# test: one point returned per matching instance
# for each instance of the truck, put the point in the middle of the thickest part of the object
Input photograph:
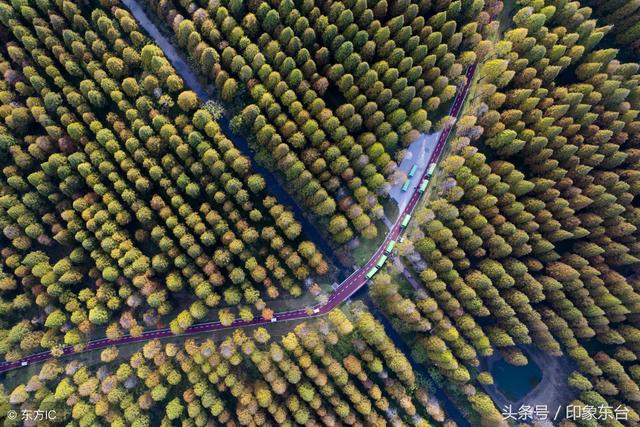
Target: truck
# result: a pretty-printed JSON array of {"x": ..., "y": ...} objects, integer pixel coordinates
[
  {"x": 413, "y": 170},
  {"x": 405, "y": 186},
  {"x": 432, "y": 167}
]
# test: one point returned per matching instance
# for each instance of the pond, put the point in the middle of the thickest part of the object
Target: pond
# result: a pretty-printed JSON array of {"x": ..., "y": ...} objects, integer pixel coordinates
[{"x": 514, "y": 382}]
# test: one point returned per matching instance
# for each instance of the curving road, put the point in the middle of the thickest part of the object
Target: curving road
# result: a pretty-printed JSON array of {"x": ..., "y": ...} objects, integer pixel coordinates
[{"x": 347, "y": 288}]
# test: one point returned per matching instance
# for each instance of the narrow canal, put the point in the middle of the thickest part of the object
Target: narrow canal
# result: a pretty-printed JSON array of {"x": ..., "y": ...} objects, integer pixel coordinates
[
  {"x": 192, "y": 82},
  {"x": 451, "y": 410}
]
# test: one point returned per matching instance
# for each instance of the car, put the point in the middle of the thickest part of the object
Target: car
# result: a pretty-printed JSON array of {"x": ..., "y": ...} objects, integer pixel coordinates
[
  {"x": 316, "y": 310},
  {"x": 273, "y": 320},
  {"x": 24, "y": 363}
]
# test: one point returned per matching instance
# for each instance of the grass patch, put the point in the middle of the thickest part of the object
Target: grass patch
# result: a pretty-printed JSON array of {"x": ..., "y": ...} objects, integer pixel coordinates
[{"x": 363, "y": 253}]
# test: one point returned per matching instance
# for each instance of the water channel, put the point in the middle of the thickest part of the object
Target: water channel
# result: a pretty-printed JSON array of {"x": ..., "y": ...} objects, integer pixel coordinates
[
  {"x": 192, "y": 82},
  {"x": 451, "y": 410}
]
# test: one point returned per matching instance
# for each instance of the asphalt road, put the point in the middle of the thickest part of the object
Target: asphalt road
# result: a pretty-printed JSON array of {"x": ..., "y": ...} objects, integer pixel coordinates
[{"x": 347, "y": 288}]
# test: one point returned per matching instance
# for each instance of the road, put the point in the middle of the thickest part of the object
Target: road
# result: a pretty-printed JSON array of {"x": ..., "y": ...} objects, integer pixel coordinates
[{"x": 343, "y": 292}]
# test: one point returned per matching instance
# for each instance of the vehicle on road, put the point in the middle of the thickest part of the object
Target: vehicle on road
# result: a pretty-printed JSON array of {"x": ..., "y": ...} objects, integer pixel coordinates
[
  {"x": 381, "y": 261},
  {"x": 413, "y": 170},
  {"x": 390, "y": 246},
  {"x": 356, "y": 279},
  {"x": 432, "y": 167},
  {"x": 405, "y": 186},
  {"x": 423, "y": 185},
  {"x": 316, "y": 310}
]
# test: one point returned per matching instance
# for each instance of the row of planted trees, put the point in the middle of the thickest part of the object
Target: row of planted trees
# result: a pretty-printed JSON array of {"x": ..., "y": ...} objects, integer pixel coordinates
[
  {"x": 532, "y": 238},
  {"x": 114, "y": 174},
  {"x": 334, "y": 371},
  {"x": 624, "y": 18},
  {"x": 291, "y": 63}
]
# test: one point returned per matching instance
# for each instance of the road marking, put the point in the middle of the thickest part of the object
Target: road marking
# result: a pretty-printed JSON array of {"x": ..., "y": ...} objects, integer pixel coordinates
[{"x": 357, "y": 275}]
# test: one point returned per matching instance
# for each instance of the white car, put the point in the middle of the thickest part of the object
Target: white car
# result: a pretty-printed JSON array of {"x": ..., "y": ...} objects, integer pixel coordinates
[
  {"x": 273, "y": 320},
  {"x": 24, "y": 363},
  {"x": 316, "y": 310}
]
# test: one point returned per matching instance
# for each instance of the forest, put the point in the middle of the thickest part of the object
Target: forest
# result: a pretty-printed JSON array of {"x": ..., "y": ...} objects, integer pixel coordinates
[
  {"x": 532, "y": 237},
  {"x": 329, "y": 372},
  {"x": 230, "y": 184}
]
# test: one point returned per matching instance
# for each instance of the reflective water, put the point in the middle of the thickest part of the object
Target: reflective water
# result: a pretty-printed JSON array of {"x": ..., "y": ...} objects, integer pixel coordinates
[{"x": 514, "y": 382}]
